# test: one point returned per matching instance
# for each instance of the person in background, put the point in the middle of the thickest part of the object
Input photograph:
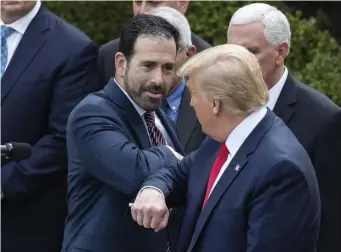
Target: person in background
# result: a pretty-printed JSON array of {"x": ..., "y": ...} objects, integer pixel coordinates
[
  {"x": 47, "y": 67},
  {"x": 117, "y": 137},
  {"x": 251, "y": 185},
  {"x": 177, "y": 104},
  {"x": 107, "y": 51},
  {"x": 313, "y": 118}
]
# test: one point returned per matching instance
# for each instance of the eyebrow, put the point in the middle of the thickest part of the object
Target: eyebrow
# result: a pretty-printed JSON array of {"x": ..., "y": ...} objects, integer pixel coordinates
[{"x": 145, "y": 62}]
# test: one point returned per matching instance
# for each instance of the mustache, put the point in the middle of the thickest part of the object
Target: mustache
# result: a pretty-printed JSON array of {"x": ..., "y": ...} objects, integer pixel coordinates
[{"x": 154, "y": 89}]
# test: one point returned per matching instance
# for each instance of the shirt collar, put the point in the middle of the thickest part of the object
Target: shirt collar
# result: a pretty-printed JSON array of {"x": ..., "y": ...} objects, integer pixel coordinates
[
  {"x": 137, "y": 107},
  {"x": 275, "y": 91},
  {"x": 173, "y": 97},
  {"x": 237, "y": 137},
  {"x": 21, "y": 24}
]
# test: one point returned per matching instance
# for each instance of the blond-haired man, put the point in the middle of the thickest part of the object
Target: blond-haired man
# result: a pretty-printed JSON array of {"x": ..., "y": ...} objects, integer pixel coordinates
[{"x": 250, "y": 186}]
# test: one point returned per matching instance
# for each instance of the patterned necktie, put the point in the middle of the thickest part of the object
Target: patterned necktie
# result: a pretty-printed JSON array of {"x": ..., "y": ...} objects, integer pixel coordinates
[
  {"x": 5, "y": 33},
  {"x": 154, "y": 133},
  {"x": 218, "y": 164},
  {"x": 157, "y": 139}
]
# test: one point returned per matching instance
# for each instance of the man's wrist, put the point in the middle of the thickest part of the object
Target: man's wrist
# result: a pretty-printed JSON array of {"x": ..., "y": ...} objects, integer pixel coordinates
[{"x": 152, "y": 187}]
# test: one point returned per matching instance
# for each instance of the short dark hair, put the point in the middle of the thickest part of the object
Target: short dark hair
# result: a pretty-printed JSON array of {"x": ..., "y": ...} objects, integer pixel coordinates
[{"x": 145, "y": 25}]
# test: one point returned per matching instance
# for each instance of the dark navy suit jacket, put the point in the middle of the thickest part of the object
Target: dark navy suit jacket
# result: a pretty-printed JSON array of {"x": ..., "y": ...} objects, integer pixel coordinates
[
  {"x": 109, "y": 156},
  {"x": 52, "y": 69},
  {"x": 271, "y": 203}
]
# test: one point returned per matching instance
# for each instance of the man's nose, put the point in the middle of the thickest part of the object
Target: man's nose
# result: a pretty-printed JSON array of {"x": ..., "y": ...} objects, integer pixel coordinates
[{"x": 157, "y": 76}]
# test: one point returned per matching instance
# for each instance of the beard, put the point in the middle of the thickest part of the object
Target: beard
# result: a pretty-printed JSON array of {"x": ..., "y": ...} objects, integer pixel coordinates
[{"x": 138, "y": 93}]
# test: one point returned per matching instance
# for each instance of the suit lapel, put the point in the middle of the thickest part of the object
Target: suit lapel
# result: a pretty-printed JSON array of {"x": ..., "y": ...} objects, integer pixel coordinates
[
  {"x": 187, "y": 119},
  {"x": 203, "y": 174},
  {"x": 284, "y": 107},
  {"x": 31, "y": 43},
  {"x": 237, "y": 164},
  {"x": 230, "y": 174},
  {"x": 170, "y": 130},
  {"x": 134, "y": 120}
]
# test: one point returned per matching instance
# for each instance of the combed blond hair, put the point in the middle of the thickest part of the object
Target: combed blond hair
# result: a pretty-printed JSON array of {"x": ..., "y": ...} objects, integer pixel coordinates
[{"x": 231, "y": 74}]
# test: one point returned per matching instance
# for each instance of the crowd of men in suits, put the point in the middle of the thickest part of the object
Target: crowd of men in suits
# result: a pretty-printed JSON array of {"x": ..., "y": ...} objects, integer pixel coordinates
[{"x": 215, "y": 148}]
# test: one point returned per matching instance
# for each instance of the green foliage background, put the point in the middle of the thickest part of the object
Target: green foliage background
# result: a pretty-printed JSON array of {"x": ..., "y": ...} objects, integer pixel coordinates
[{"x": 315, "y": 57}]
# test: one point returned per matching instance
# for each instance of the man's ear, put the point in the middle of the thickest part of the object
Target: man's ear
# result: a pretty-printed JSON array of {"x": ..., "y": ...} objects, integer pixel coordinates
[
  {"x": 282, "y": 51},
  {"x": 216, "y": 108},
  {"x": 192, "y": 50},
  {"x": 120, "y": 64}
]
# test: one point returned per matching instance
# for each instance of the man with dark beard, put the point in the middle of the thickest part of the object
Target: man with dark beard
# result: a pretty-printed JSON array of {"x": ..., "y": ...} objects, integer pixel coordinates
[{"x": 117, "y": 137}]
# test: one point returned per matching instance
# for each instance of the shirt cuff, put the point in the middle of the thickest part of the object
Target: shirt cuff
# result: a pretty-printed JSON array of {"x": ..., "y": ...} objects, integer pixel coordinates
[
  {"x": 176, "y": 154},
  {"x": 153, "y": 187}
]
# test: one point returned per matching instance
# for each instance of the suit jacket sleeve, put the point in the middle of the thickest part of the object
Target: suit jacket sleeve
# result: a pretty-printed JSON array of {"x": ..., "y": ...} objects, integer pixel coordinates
[
  {"x": 279, "y": 203},
  {"x": 327, "y": 163},
  {"x": 49, "y": 157},
  {"x": 172, "y": 181},
  {"x": 109, "y": 154}
]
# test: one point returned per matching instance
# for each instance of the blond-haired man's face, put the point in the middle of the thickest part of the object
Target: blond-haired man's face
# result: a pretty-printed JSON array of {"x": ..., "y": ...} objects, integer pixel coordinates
[{"x": 203, "y": 109}]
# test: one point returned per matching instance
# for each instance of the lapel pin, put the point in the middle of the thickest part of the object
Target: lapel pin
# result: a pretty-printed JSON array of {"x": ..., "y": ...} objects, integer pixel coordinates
[{"x": 237, "y": 167}]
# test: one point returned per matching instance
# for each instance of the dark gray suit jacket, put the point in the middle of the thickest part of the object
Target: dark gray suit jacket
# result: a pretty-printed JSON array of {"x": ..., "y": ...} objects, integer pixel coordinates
[
  {"x": 316, "y": 122},
  {"x": 188, "y": 127}
]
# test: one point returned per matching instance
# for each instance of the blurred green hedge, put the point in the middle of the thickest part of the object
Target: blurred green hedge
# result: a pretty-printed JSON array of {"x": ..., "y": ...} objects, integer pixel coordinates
[{"x": 315, "y": 57}]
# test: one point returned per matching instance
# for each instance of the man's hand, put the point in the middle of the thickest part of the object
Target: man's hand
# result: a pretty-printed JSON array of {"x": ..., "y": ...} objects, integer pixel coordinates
[{"x": 150, "y": 209}]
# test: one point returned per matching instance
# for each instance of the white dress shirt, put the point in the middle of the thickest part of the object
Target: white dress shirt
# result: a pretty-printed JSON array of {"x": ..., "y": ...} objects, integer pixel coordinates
[
  {"x": 20, "y": 26},
  {"x": 157, "y": 119},
  {"x": 275, "y": 91},
  {"x": 237, "y": 137}
]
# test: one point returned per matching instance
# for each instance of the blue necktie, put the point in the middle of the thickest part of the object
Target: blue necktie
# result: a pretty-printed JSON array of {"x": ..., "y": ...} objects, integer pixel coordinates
[{"x": 5, "y": 33}]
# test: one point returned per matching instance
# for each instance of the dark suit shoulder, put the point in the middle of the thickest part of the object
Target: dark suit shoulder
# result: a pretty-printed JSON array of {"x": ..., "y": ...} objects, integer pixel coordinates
[
  {"x": 312, "y": 100},
  {"x": 199, "y": 43},
  {"x": 96, "y": 100},
  {"x": 109, "y": 48},
  {"x": 66, "y": 32},
  {"x": 283, "y": 145}
]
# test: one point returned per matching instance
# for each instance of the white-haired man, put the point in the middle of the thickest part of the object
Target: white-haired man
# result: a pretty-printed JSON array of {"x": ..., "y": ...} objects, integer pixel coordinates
[
  {"x": 177, "y": 104},
  {"x": 312, "y": 117},
  {"x": 251, "y": 185}
]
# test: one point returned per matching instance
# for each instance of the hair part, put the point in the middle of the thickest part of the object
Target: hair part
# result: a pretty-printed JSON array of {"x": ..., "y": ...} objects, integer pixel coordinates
[
  {"x": 276, "y": 25},
  {"x": 176, "y": 19},
  {"x": 231, "y": 74},
  {"x": 144, "y": 25}
]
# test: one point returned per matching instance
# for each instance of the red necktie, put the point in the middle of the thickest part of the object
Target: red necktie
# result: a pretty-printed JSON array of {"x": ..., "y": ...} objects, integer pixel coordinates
[{"x": 218, "y": 164}]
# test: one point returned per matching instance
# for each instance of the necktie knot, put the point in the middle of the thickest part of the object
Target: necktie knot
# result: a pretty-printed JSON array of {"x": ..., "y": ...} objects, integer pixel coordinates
[
  {"x": 150, "y": 117},
  {"x": 224, "y": 152},
  {"x": 155, "y": 134},
  {"x": 6, "y": 31}
]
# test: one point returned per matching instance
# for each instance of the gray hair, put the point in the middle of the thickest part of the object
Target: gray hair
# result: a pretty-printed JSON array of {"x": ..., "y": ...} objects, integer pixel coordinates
[
  {"x": 276, "y": 25},
  {"x": 176, "y": 19}
]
